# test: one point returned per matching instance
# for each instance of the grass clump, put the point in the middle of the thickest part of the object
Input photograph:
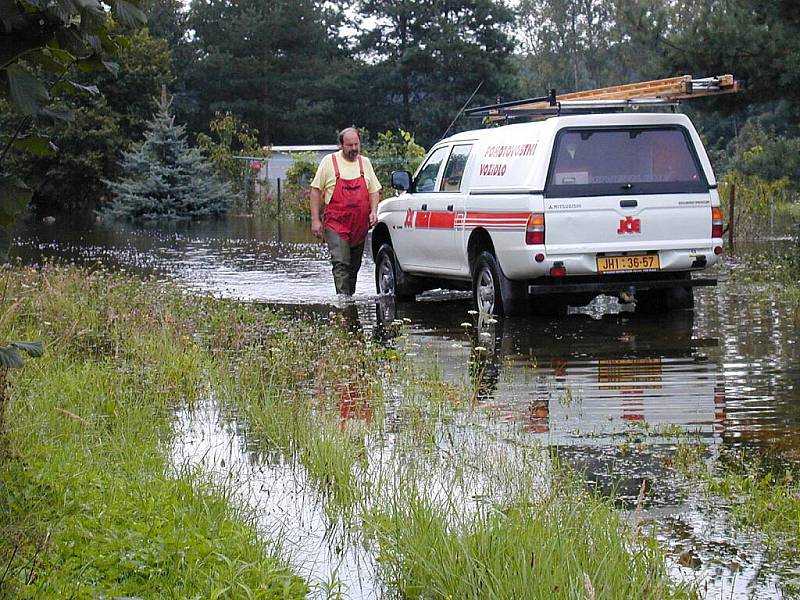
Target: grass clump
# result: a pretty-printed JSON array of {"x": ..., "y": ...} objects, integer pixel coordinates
[
  {"x": 311, "y": 398},
  {"x": 90, "y": 504},
  {"x": 566, "y": 543},
  {"x": 765, "y": 500}
]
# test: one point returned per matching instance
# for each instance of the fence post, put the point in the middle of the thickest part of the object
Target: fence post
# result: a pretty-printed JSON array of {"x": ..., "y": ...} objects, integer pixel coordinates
[
  {"x": 279, "y": 196},
  {"x": 245, "y": 184},
  {"x": 731, "y": 218}
]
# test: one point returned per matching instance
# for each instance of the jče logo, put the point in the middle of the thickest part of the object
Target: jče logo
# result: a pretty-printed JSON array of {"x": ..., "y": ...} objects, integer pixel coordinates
[
  {"x": 409, "y": 222},
  {"x": 630, "y": 225}
]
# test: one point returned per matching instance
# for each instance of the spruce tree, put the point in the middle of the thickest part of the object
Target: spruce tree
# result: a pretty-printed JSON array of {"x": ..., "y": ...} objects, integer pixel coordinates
[{"x": 166, "y": 179}]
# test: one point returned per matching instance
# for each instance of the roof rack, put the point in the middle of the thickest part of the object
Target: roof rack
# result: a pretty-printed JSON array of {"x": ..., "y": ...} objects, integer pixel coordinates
[{"x": 658, "y": 92}]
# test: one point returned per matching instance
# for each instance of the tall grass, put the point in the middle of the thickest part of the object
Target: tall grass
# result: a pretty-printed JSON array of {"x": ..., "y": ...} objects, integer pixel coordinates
[
  {"x": 569, "y": 544},
  {"x": 90, "y": 506}
]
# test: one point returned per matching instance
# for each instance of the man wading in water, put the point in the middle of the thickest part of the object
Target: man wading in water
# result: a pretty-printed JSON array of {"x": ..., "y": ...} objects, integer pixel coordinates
[{"x": 347, "y": 184}]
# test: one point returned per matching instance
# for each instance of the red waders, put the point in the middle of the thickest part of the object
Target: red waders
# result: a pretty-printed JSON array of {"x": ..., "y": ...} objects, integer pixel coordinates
[{"x": 346, "y": 224}]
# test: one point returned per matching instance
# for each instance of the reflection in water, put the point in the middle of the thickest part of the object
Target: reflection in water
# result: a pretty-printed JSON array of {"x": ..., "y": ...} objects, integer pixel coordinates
[
  {"x": 279, "y": 493},
  {"x": 613, "y": 391},
  {"x": 589, "y": 386}
]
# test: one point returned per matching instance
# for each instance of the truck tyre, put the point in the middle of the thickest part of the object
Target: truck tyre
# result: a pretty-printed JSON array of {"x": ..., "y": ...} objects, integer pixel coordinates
[
  {"x": 486, "y": 293},
  {"x": 493, "y": 292},
  {"x": 390, "y": 280}
]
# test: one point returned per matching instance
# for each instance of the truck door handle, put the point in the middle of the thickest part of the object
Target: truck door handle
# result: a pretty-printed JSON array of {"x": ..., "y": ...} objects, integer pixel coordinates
[
  {"x": 424, "y": 207},
  {"x": 449, "y": 207},
  {"x": 628, "y": 203}
]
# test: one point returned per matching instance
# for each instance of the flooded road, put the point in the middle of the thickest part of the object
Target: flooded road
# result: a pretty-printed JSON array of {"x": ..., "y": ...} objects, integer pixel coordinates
[
  {"x": 263, "y": 261},
  {"x": 615, "y": 391}
]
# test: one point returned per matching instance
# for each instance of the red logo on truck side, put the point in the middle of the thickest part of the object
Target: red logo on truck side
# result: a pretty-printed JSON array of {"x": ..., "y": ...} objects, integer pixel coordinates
[{"x": 629, "y": 225}]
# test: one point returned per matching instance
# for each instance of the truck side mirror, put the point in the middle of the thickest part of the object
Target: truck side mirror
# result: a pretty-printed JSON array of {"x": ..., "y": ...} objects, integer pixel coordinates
[{"x": 401, "y": 180}]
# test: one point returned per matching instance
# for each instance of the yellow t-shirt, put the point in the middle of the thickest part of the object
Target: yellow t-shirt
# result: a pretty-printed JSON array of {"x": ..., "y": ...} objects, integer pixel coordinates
[{"x": 325, "y": 179}]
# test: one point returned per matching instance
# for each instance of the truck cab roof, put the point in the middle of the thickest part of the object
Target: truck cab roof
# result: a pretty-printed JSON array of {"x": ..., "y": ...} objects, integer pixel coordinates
[{"x": 518, "y": 157}]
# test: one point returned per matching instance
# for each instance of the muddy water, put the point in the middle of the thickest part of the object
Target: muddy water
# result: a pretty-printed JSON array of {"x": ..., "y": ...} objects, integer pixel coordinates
[{"x": 615, "y": 391}]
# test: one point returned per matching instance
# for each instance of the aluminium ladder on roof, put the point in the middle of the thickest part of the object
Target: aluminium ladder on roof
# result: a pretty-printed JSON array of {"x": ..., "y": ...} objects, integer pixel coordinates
[{"x": 658, "y": 92}]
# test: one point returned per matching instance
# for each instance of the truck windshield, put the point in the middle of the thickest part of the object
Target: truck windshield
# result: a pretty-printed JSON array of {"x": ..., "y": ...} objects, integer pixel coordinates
[{"x": 634, "y": 160}]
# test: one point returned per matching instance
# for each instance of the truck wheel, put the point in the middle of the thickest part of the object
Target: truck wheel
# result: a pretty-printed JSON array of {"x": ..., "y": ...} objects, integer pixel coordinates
[
  {"x": 389, "y": 277},
  {"x": 486, "y": 293}
]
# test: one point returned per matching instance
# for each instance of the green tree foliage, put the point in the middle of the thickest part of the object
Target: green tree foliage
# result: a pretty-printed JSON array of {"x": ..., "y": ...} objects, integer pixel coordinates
[
  {"x": 759, "y": 40},
  {"x": 40, "y": 41},
  {"x": 102, "y": 127},
  {"x": 427, "y": 58},
  {"x": 165, "y": 179},
  {"x": 303, "y": 168},
  {"x": 276, "y": 64},
  {"x": 760, "y": 43},
  {"x": 145, "y": 68},
  {"x": 230, "y": 137},
  {"x": 575, "y": 45},
  {"x": 394, "y": 151},
  {"x": 167, "y": 20}
]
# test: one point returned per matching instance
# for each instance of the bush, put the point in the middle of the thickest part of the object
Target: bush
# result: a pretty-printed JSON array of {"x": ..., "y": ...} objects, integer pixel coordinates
[
  {"x": 232, "y": 137},
  {"x": 757, "y": 200},
  {"x": 393, "y": 151},
  {"x": 295, "y": 203}
]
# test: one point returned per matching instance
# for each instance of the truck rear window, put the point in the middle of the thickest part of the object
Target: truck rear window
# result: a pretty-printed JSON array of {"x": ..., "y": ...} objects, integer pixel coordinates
[{"x": 630, "y": 160}]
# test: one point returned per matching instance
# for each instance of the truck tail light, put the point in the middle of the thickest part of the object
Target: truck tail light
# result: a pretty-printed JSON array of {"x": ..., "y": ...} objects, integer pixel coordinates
[
  {"x": 534, "y": 232},
  {"x": 716, "y": 222}
]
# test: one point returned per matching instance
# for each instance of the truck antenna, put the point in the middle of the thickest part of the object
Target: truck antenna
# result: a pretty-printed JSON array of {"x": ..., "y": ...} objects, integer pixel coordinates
[{"x": 449, "y": 127}]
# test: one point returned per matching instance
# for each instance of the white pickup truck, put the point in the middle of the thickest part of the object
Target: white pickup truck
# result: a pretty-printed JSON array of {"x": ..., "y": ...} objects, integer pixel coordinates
[{"x": 537, "y": 216}]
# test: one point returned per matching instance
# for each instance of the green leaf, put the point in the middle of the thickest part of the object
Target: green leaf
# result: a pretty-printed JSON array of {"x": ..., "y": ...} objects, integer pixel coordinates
[
  {"x": 38, "y": 145},
  {"x": 61, "y": 55},
  {"x": 27, "y": 93},
  {"x": 14, "y": 198},
  {"x": 90, "y": 5},
  {"x": 128, "y": 14},
  {"x": 70, "y": 40},
  {"x": 112, "y": 44},
  {"x": 10, "y": 358},
  {"x": 34, "y": 349},
  {"x": 93, "y": 19},
  {"x": 44, "y": 59},
  {"x": 94, "y": 43},
  {"x": 95, "y": 63}
]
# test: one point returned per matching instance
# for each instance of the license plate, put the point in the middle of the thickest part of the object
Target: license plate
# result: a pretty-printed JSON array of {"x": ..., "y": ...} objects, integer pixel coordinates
[
  {"x": 627, "y": 370},
  {"x": 631, "y": 262}
]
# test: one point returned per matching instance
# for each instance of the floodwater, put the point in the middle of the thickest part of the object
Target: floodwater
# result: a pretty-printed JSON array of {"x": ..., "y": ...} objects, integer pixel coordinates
[{"x": 612, "y": 389}]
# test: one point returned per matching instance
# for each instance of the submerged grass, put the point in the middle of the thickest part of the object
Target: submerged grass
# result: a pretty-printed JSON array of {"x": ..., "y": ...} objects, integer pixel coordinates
[
  {"x": 494, "y": 518},
  {"x": 777, "y": 268},
  {"x": 763, "y": 499}
]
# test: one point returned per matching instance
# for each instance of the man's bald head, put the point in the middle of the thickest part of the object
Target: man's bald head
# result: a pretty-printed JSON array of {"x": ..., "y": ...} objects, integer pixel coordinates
[{"x": 350, "y": 142}]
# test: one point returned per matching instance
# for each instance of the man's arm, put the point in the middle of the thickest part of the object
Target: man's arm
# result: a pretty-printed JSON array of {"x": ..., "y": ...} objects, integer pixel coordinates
[
  {"x": 315, "y": 198},
  {"x": 374, "y": 198}
]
